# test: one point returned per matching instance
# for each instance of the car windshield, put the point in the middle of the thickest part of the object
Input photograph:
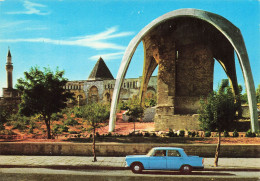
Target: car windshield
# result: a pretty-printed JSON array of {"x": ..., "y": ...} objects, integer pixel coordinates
[{"x": 150, "y": 152}]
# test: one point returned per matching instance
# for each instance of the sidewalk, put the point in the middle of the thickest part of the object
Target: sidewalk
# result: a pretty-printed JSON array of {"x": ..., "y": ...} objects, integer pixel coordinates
[{"x": 82, "y": 162}]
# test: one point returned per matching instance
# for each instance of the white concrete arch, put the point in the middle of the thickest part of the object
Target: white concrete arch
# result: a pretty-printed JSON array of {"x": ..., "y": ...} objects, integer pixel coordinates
[{"x": 231, "y": 32}]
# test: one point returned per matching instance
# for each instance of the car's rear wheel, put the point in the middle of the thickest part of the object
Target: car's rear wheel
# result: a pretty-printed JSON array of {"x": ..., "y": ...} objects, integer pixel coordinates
[
  {"x": 186, "y": 169},
  {"x": 137, "y": 167}
]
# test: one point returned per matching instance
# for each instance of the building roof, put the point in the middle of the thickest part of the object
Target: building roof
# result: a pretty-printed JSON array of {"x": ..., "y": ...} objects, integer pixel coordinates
[{"x": 100, "y": 71}]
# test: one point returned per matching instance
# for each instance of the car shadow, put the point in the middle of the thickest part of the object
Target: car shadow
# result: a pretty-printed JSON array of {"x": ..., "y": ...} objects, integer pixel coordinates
[{"x": 192, "y": 173}]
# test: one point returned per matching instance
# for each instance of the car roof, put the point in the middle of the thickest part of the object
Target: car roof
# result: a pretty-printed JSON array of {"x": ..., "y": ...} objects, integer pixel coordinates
[{"x": 167, "y": 148}]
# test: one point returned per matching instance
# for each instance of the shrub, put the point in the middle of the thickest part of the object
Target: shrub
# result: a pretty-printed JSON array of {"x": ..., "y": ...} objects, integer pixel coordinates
[
  {"x": 97, "y": 134},
  {"x": 226, "y": 134},
  {"x": 19, "y": 125},
  {"x": 182, "y": 133},
  {"x": 8, "y": 123},
  {"x": 207, "y": 134},
  {"x": 147, "y": 134},
  {"x": 192, "y": 134},
  {"x": 171, "y": 133},
  {"x": 249, "y": 133},
  {"x": 74, "y": 132},
  {"x": 258, "y": 133},
  {"x": 235, "y": 133},
  {"x": 56, "y": 116},
  {"x": 2, "y": 127},
  {"x": 139, "y": 134},
  {"x": 154, "y": 135},
  {"x": 71, "y": 122}
]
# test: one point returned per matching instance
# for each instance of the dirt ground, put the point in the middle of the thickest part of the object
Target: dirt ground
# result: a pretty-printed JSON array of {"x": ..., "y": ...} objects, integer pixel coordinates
[{"x": 121, "y": 128}]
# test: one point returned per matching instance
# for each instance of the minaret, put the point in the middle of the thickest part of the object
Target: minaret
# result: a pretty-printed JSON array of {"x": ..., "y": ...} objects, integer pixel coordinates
[{"x": 9, "y": 70}]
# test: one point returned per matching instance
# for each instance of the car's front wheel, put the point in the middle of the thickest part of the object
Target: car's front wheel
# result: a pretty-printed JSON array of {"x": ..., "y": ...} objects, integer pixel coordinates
[
  {"x": 137, "y": 167},
  {"x": 186, "y": 169}
]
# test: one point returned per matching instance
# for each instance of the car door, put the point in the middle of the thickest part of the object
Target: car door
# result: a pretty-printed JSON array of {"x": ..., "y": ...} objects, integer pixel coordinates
[
  {"x": 158, "y": 160},
  {"x": 174, "y": 160}
]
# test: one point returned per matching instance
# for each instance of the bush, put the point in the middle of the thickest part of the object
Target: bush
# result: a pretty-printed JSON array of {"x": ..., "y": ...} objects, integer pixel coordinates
[
  {"x": 2, "y": 127},
  {"x": 207, "y": 134},
  {"x": 182, "y": 133},
  {"x": 123, "y": 105},
  {"x": 226, "y": 134},
  {"x": 56, "y": 116},
  {"x": 19, "y": 125},
  {"x": 139, "y": 134},
  {"x": 235, "y": 133},
  {"x": 191, "y": 134},
  {"x": 154, "y": 135},
  {"x": 171, "y": 133},
  {"x": 147, "y": 134},
  {"x": 71, "y": 122},
  {"x": 249, "y": 133},
  {"x": 75, "y": 132},
  {"x": 77, "y": 112},
  {"x": 97, "y": 134}
]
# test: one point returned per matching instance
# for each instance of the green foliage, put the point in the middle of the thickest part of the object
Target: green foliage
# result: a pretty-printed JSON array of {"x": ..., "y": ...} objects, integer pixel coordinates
[
  {"x": 150, "y": 102},
  {"x": 71, "y": 122},
  {"x": 58, "y": 129},
  {"x": 123, "y": 105},
  {"x": 243, "y": 97},
  {"x": 226, "y": 134},
  {"x": 192, "y": 134},
  {"x": 171, "y": 133},
  {"x": 3, "y": 115},
  {"x": 135, "y": 110},
  {"x": 2, "y": 127},
  {"x": 147, "y": 134},
  {"x": 182, "y": 133},
  {"x": 249, "y": 133},
  {"x": 73, "y": 132},
  {"x": 207, "y": 133},
  {"x": 235, "y": 133},
  {"x": 19, "y": 121},
  {"x": 95, "y": 114},
  {"x": 218, "y": 112},
  {"x": 258, "y": 94},
  {"x": 43, "y": 93},
  {"x": 56, "y": 116}
]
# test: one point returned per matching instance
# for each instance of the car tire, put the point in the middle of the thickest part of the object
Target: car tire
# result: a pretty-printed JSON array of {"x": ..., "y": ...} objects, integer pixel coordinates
[
  {"x": 137, "y": 167},
  {"x": 186, "y": 169}
]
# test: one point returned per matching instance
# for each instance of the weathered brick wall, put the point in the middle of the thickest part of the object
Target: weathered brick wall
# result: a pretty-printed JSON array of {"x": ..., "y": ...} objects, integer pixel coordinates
[
  {"x": 177, "y": 122},
  {"x": 114, "y": 149}
]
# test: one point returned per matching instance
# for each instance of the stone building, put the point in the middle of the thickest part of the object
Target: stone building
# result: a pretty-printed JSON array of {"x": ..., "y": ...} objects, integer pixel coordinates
[
  {"x": 11, "y": 97},
  {"x": 100, "y": 85}
]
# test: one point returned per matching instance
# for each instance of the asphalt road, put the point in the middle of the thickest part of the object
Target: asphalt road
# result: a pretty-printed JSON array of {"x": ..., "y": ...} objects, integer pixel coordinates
[{"x": 32, "y": 174}]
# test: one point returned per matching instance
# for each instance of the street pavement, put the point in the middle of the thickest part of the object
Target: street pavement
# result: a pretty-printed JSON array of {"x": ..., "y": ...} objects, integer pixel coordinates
[
  {"x": 14, "y": 161},
  {"x": 67, "y": 168}
]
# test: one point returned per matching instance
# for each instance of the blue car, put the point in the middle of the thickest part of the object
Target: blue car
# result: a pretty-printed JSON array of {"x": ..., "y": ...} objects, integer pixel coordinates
[{"x": 164, "y": 158}]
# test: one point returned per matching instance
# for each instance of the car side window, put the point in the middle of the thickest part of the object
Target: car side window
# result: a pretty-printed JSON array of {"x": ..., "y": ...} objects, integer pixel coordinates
[
  {"x": 160, "y": 153},
  {"x": 173, "y": 153}
]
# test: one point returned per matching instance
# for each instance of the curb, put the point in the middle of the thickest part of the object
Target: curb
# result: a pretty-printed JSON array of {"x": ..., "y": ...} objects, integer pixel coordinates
[{"x": 89, "y": 167}]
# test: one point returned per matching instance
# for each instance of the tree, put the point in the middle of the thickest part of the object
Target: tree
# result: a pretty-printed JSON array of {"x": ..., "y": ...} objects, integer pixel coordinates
[
  {"x": 218, "y": 112},
  {"x": 43, "y": 93},
  {"x": 258, "y": 94},
  {"x": 95, "y": 115},
  {"x": 135, "y": 110}
]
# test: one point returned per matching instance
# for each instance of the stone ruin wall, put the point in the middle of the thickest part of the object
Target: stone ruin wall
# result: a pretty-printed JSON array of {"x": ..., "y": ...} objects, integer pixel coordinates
[{"x": 185, "y": 73}]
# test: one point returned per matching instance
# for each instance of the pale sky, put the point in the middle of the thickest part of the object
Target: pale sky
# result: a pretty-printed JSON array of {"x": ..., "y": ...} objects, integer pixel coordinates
[{"x": 73, "y": 34}]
